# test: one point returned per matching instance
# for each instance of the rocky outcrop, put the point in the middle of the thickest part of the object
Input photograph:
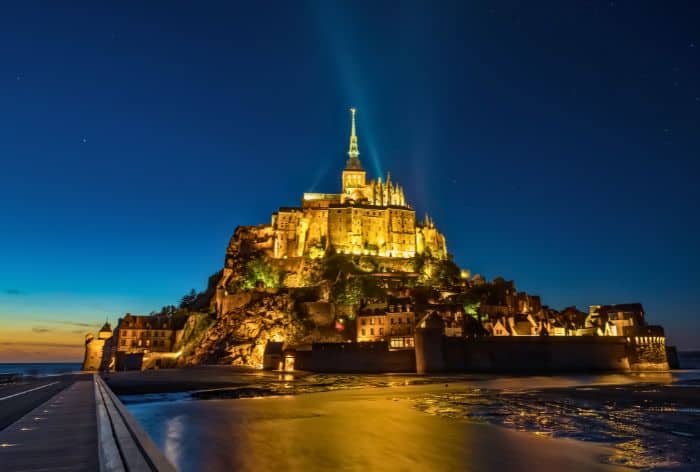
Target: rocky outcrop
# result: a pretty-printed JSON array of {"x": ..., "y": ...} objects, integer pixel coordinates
[
  {"x": 253, "y": 318},
  {"x": 238, "y": 337}
]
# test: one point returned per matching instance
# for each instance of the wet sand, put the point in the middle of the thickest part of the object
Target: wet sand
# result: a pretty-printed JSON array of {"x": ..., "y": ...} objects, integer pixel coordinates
[
  {"x": 215, "y": 377},
  {"x": 364, "y": 429},
  {"x": 407, "y": 421}
]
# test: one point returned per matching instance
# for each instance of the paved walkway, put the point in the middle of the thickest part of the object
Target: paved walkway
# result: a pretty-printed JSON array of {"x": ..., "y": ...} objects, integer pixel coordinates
[
  {"x": 58, "y": 435},
  {"x": 19, "y": 398}
]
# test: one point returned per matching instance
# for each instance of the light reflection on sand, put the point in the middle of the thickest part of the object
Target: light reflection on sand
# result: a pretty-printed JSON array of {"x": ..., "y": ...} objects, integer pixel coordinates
[
  {"x": 645, "y": 426},
  {"x": 317, "y": 422}
]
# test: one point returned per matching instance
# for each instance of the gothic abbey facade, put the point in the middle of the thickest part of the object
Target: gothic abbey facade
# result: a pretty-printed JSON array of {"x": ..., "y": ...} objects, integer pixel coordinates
[{"x": 365, "y": 218}]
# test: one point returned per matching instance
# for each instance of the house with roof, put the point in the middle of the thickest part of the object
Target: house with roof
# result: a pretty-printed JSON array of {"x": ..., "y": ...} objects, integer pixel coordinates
[{"x": 394, "y": 323}]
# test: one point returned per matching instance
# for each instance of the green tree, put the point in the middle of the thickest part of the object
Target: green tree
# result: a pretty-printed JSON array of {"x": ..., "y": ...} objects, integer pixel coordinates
[
  {"x": 259, "y": 270},
  {"x": 189, "y": 299}
]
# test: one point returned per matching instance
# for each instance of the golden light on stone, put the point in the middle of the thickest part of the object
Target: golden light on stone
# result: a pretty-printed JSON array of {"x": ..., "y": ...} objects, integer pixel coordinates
[{"x": 364, "y": 219}]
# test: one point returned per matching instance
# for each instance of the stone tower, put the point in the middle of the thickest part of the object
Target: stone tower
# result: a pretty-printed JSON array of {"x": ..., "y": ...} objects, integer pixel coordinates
[
  {"x": 354, "y": 175},
  {"x": 98, "y": 350}
]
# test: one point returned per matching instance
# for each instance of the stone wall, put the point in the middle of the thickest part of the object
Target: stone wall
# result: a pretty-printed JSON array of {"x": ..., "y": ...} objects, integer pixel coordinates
[
  {"x": 527, "y": 354},
  {"x": 355, "y": 357},
  {"x": 648, "y": 353}
]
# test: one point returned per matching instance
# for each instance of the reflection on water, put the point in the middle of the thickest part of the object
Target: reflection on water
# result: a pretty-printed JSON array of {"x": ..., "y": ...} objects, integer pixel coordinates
[
  {"x": 646, "y": 426},
  {"x": 428, "y": 423},
  {"x": 174, "y": 432}
]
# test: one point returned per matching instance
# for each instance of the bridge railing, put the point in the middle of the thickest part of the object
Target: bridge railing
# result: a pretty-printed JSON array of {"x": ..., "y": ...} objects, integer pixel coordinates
[{"x": 123, "y": 445}]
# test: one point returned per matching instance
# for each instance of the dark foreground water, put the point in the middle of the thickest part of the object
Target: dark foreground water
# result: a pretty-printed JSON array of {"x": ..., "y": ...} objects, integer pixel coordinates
[
  {"x": 363, "y": 422},
  {"x": 40, "y": 369}
]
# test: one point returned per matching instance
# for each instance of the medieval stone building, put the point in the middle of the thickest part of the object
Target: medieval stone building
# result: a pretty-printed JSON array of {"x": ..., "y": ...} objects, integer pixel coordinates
[
  {"x": 98, "y": 350},
  {"x": 365, "y": 218}
]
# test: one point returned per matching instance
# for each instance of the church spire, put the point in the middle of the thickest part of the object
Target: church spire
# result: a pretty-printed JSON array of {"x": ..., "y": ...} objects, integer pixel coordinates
[{"x": 353, "y": 151}]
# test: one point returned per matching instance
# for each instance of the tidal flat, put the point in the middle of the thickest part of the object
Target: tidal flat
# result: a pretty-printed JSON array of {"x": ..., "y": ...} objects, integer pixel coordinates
[{"x": 263, "y": 421}]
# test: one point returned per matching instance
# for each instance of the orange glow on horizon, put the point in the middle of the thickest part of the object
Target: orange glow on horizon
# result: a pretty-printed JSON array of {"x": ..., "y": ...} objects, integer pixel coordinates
[{"x": 28, "y": 342}]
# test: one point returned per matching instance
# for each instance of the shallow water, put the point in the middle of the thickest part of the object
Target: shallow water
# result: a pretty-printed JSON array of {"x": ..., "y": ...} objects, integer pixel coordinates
[
  {"x": 40, "y": 368},
  {"x": 405, "y": 422},
  {"x": 644, "y": 432}
]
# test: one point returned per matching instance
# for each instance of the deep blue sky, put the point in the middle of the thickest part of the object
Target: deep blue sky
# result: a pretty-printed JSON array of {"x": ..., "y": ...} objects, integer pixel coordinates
[{"x": 554, "y": 144}]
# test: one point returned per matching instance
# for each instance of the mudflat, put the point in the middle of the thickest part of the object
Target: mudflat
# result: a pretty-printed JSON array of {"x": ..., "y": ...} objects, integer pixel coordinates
[{"x": 404, "y": 422}]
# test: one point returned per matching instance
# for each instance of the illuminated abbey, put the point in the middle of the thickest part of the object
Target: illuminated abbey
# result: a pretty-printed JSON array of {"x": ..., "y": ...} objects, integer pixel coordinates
[{"x": 365, "y": 218}]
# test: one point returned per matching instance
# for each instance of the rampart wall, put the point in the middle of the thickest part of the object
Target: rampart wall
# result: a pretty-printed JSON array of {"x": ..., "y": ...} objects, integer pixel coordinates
[
  {"x": 355, "y": 357},
  {"x": 528, "y": 354}
]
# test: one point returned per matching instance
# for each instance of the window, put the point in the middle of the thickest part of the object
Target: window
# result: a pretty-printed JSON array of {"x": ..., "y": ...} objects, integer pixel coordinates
[
  {"x": 363, "y": 332},
  {"x": 123, "y": 343},
  {"x": 371, "y": 321},
  {"x": 393, "y": 321},
  {"x": 381, "y": 331},
  {"x": 371, "y": 331},
  {"x": 364, "y": 321}
]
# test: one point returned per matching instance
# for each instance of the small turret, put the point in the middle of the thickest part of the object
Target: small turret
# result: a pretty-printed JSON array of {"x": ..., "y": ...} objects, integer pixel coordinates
[{"x": 106, "y": 331}]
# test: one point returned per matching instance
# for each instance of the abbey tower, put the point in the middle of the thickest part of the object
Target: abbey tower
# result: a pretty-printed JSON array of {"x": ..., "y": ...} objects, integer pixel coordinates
[{"x": 365, "y": 218}]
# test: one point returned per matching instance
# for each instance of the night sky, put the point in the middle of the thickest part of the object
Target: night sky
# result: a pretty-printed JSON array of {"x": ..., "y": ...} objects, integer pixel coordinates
[{"x": 554, "y": 144}]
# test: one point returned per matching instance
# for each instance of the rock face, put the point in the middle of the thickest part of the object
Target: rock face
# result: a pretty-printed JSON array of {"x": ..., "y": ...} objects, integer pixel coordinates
[{"x": 239, "y": 336}]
